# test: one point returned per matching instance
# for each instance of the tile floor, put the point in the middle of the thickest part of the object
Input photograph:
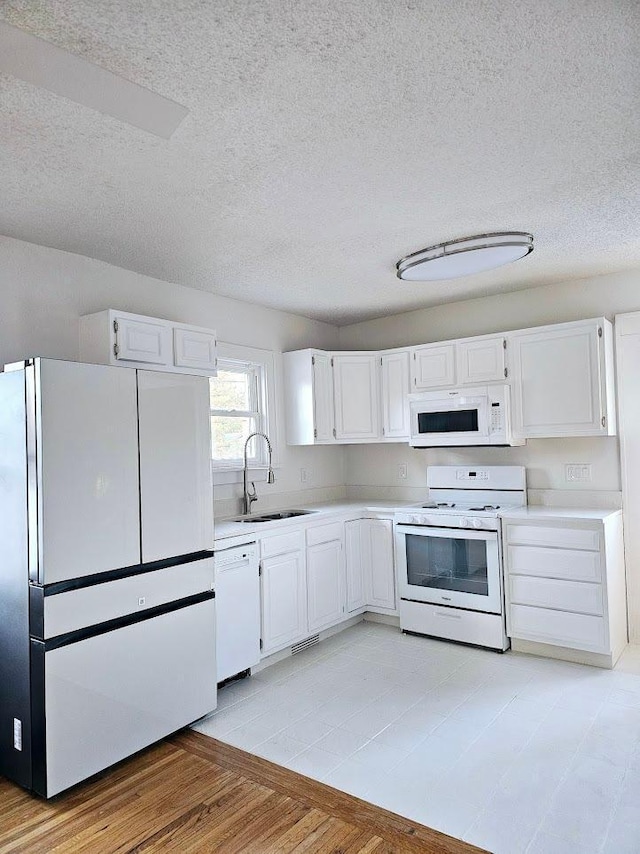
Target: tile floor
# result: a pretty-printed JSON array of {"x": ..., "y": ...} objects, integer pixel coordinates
[{"x": 513, "y": 753}]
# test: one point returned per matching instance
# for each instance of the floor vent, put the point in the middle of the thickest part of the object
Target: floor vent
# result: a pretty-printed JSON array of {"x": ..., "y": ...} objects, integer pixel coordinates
[{"x": 305, "y": 644}]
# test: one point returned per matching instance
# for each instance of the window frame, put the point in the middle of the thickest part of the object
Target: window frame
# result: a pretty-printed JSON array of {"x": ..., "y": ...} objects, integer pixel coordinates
[{"x": 262, "y": 364}]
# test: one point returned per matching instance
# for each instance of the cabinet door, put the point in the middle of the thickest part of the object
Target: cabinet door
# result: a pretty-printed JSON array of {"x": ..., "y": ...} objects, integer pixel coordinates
[
  {"x": 322, "y": 398},
  {"x": 284, "y": 601},
  {"x": 356, "y": 396},
  {"x": 325, "y": 584},
  {"x": 481, "y": 361},
  {"x": 88, "y": 470},
  {"x": 176, "y": 491},
  {"x": 378, "y": 553},
  {"x": 143, "y": 341},
  {"x": 354, "y": 565},
  {"x": 395, "y": 387},
  {"x": 194, "y": 349},
  {"x": 433, "y": 366},
  {"x": 557, "y": 376}
]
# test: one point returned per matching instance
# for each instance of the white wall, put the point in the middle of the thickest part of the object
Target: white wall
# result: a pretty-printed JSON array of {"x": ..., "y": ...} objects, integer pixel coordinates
[
  {"x": 583, "y": 298},
  {"x": 43, "y": 292}
]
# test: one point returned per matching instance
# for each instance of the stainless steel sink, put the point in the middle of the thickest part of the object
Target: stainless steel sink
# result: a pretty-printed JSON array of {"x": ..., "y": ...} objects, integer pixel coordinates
[{"x": 273, "y": 517}]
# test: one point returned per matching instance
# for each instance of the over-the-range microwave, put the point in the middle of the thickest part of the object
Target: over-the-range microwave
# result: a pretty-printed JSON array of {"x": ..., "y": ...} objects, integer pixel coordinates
[{"x": 456, "y": 417}]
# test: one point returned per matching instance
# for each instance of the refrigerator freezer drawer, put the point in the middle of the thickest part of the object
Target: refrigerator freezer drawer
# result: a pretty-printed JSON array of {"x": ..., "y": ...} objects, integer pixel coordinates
[
  {"x": 111, "y": 695},
  {"x": 89, "y": 606}
]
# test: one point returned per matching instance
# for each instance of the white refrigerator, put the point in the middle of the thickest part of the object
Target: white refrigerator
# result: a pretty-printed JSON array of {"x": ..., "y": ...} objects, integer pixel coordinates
[{"x": 107, "y": 600}]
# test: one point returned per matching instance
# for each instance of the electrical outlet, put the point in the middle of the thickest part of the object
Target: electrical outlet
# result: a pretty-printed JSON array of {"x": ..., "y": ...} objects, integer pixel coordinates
[
  {"x": 402, "y": 471},
  {"x": 304, "y": 475},
  {"x": 577, "y": 472}
]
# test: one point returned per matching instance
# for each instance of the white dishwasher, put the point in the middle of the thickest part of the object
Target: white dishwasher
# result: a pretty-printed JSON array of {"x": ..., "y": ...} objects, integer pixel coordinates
[{"x": 237, "y": 609}]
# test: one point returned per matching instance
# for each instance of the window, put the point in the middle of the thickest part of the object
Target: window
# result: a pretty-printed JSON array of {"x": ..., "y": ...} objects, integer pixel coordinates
[{"x": 240, "y": 405}]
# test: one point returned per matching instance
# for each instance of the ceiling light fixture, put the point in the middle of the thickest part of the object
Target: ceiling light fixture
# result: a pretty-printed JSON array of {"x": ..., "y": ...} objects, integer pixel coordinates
[{"x": 465, "y": 256}]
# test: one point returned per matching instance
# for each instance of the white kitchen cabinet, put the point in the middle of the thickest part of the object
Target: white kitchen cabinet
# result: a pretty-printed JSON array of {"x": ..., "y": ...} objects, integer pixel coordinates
[
  {"x": 194, "y": 349},
  {"x": 562, "y": 380},
  {"x": 175, "y": 465},
  {"x": 433, "y": 366},
  {"x": 131, "y": 340},
  {"x": 355, "y": 565},
  {"x": 356, "y": 396},
  {"x": 565, "y": 584},
  {"x": 377, "y": 550},
  {"x": 138, "y": 340},
  {"x": 394, "y": 387},
  {"x": 481, "y": 360},
  {"x": 284, "y": 590},
  {"x": 308, "y": 389},
  {"x": 325, "y": 575}
]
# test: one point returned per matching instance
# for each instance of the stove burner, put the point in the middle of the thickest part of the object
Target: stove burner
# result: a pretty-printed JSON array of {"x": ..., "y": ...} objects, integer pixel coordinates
[
  {"x": 485, "y": 507},
  {"x": 433, "y": 505}
]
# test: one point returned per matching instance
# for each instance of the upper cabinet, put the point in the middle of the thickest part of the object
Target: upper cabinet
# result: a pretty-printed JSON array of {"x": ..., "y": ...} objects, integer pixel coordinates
[
  {"x": 481, "y": 360},
  {"x": 433, "y": 366},
  {"x": 394, "y": 387},
  {"x": 469, "y": 361},
  {"x": 118, "y": 338},
  {"x": 308, "y": 389},
  {"x": 563, "y": 380},
  {"x": 355, "y": 389},
  {"x": 333, "y": 397}
]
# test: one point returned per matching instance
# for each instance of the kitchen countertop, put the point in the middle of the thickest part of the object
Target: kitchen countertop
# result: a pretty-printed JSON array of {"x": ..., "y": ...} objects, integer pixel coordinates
[
  {"x": 231, "y": 527},
  {"x": 536, "y": 511}
]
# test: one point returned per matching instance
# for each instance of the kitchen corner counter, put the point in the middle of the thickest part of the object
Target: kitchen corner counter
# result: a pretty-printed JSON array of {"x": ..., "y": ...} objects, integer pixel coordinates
[
  {"x": 234, "y": 527},
  {"x": 540, "y": 513}
]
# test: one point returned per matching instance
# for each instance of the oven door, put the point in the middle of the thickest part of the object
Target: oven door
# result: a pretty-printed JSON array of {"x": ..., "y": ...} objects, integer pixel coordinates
[{"x": 449, "y": 566}]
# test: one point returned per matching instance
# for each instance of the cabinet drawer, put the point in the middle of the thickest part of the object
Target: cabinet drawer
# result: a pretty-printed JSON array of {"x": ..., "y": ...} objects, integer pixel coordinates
[
  {"x": 557, "y": 627},
  {"x": 280, "y": 544},
  {"x": 325, "y": 533},
  {"x": 89, "y": 606},
  {"x": 579, "y": 596},
  {"x": 555, "y": 563},
  {"x": 567, "y": 538}
]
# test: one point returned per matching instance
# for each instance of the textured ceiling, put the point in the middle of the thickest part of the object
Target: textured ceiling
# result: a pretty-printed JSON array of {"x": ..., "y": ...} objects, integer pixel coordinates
[{"x": 326, "y": 139}]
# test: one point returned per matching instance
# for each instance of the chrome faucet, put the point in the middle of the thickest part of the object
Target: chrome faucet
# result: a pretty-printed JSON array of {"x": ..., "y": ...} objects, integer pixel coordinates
[{"x": 249, "y": 495}]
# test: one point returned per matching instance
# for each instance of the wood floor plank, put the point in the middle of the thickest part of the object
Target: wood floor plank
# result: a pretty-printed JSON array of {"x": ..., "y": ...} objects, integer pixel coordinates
[
  {"x": 192, "y": 794},
  {"x": 389, "y": 826}
]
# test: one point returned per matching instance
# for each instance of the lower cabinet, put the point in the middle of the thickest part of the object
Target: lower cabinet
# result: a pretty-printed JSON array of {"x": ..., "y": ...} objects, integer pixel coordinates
[
  {"x": 353, "y": 536},
  {"x": 380, "y": 574},
  {"x": 284, "y": 591},
  {"x": 315, "y": 577},
  {"x": 325, "y": 576},
  {"x": 565, "y": 581},
  {"x": 370, "y": 566}
]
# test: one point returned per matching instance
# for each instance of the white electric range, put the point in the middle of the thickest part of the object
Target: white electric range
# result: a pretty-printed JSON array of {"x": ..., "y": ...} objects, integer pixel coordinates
[{"x": 449, "y": 554}]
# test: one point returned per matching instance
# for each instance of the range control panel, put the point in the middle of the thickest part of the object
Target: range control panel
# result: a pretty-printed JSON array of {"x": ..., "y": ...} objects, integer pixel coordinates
[{"x": 472, "y": 474}]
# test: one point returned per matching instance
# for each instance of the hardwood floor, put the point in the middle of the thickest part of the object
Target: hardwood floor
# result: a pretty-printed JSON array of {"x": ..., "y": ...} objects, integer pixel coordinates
[{"x": 195, "y": 794}]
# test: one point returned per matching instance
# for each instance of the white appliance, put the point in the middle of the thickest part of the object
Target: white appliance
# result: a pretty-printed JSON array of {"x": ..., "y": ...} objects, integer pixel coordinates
[
  {"x": 238, "y": 609},
  {"x": 107, "y": 610},
  {"x": 453, "y": 417},
  {"x": 449, "y": 555}
]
